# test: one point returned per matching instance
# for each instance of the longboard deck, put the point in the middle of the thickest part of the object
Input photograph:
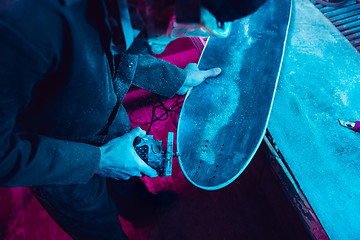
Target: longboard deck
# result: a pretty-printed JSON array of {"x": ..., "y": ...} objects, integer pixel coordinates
[{"x": 223, "y": 120}]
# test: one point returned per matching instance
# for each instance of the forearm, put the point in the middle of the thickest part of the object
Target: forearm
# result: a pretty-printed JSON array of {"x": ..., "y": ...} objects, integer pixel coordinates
[
  {"x": 32, "y": 160},
  {"x": 158, "y": 76}
]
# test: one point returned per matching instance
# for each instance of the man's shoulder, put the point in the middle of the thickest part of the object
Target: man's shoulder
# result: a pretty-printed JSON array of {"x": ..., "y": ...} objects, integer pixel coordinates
[{"x": 37, "y": 22}]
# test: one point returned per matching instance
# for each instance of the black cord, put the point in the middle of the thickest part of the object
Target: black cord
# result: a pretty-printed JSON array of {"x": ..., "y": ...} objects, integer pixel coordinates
[{"x": 173, "y": 112}]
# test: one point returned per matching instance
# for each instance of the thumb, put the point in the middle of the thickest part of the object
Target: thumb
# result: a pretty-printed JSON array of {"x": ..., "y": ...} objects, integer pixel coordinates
[
  {"x": 147, "y": 170},
  {"x": 136, "y": 132},
  {"x": 213, "y": 72}
]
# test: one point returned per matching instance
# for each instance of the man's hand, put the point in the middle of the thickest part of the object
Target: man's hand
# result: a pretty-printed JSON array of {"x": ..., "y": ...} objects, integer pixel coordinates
[
  {"x": 195, "y": 76},
  {"x": 119, "y": 159}
]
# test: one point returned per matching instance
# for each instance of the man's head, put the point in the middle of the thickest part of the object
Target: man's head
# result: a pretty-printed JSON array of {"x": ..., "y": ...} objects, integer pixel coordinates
[{"x": 165, "y": 20}]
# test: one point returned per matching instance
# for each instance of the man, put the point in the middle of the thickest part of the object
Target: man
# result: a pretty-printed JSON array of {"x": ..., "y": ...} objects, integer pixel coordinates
[{"x": 63, "y": 77}]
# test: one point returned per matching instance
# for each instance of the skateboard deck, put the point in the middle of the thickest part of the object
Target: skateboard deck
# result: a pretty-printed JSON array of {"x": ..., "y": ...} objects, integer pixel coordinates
[{"x": 223, "y": 121}]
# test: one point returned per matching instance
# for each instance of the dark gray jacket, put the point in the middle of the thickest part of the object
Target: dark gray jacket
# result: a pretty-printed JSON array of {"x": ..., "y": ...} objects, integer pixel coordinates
[{"x": 59, "y": 98}]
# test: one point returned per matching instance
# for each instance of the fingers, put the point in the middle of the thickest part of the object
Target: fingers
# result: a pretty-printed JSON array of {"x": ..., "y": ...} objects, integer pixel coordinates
[
  {"x": 136, "y": 132},
  {"x": 121, "y": 177},
  {"x": 213, "y": 72},
  {"x": 147, "y": 170}
]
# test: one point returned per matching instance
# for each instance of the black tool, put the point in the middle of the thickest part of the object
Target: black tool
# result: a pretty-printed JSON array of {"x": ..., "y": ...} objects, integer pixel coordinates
[{"x": 152, "y": 153}]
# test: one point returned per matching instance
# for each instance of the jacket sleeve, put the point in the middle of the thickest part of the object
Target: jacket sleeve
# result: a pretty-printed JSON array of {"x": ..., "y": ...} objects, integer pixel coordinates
[
  {"x": 158, "y": 76},
  {"x": 28, "y": 159}
]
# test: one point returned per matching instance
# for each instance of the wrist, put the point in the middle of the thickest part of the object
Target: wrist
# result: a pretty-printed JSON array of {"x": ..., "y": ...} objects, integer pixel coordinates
[{"x": 103, "y": 152}]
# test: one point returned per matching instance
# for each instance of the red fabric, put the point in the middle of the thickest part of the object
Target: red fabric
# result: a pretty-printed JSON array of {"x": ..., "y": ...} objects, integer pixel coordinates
[
  {"x": 23, "y": 218},
  {"x": 357, "y": 125}
]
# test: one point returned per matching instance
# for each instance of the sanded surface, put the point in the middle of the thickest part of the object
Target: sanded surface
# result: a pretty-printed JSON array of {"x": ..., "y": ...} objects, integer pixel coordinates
[
  {"x": 319, "y": 83},
  {"x": 223, "y": 120}
]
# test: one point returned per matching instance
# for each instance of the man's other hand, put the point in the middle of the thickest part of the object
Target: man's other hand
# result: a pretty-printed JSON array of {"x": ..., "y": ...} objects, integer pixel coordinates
[
  {"x": 119, "y": 159},
  {"x": 195, "y": 77}
]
